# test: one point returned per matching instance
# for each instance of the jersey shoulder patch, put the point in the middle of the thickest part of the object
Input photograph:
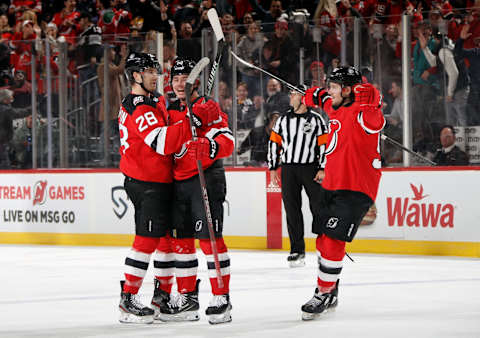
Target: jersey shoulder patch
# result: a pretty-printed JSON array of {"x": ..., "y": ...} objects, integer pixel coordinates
[{"x": 131, "y": 102}]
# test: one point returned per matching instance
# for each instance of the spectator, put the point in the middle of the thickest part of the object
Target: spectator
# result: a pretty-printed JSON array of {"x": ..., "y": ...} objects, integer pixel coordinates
[
  {"x": 114, "y": 94},
  {"x": 270, "y": 17},
  {"x": 249, "y": 48},
  {"x": 22, "y": 90},
  {"x": 426, "y": 108},
  {"x": 473, "y": 56},
  {"x": 246, "y": 110},
  {"x": 449, "y": 154},
  {"x": 66, "y": 21},
  {"x": 283, "y": 56},
  {"x": 187, "y": 46},
  {"x": 7, "y": 115},
  {"x": 6, "y": 31},
  {"x": 276, "y": 101},
  {"x": 457, "y": 82},
  {"x": 394, "y": 128},
  {"x": 317, "y": 73},
  {"x": 155, "y": 17},
  {"x": 6, "y": 131},
  {"x": 89, "y": 47},
  {"x": 257, "y": 143}
]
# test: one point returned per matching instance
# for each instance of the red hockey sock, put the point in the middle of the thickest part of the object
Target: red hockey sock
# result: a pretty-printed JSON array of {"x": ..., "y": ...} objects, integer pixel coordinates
[
  {"x": 137, "y": 262},
  {"x": 186, "y": 264},
  {"x": 164, "y": 263},
  {"x": 224, "y": 261},
  {"x": 330, "y": 252}
]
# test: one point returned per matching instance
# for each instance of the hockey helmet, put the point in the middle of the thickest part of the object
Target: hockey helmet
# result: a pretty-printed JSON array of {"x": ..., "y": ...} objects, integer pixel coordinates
[
  {"x": 138, "y": 62},
  {"x": 181, "y": 66},
  {"x": 301, "y": 87},
  {"x": 345, "y": 76}
]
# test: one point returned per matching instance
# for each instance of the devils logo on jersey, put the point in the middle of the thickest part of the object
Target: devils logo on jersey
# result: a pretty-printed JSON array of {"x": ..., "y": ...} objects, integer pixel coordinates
[{"x": 334, "y": 127}]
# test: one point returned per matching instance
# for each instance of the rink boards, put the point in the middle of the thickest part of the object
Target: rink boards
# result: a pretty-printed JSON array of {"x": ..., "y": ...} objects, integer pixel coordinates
[{"x": 432, "y": 211}]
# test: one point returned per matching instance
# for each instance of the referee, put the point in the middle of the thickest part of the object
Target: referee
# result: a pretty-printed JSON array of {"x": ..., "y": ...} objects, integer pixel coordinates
[{"x": 297, "y": 142}]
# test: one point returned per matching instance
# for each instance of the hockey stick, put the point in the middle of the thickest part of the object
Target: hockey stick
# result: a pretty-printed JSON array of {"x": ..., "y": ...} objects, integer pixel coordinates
[
  {"x": 201, "y": 175},
  {"x": 248, "y": 64},
  {"x": 222, "y": 45},
  {"x": 395, "y": 143}
]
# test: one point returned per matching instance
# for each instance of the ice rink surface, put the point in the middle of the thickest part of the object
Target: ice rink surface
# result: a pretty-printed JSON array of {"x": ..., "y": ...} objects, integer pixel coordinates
[{"x": 50, "y": 291}]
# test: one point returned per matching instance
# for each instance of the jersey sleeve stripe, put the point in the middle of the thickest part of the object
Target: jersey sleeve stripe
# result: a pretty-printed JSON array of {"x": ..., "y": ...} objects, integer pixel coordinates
[
  {"x": 368, "y": 130},
  {"x": 322, "y": 139},
  {"x": 274, "y": 137}
]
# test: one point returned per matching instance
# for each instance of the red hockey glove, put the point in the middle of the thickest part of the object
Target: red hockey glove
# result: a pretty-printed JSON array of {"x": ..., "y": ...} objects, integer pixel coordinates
[
  {"x": 202, "y": 148},
  {"x": 205, "y": 113},
  {"x": 311, "y": 99},
  {"x": 366, "y": 93}
]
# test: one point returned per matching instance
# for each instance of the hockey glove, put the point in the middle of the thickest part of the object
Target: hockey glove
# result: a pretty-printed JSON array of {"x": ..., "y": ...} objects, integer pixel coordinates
[
  {"x": 366, "y": 93},
  {"x": 202, "y": 148},
  {"x": 205, "y": 114},
  {"x": 311, "y": 97}
]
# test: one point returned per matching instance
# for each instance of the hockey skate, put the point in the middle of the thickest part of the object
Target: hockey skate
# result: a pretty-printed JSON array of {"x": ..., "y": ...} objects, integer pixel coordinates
[
  {"x": 132, "y": 311},
  {"x": 160, "y": 300},
  {"x": 184, "y": 307},
  {"x": 320, "y": 303},
  {"x": 296, "y": 260},
  {"x": 219, "y": 309}
]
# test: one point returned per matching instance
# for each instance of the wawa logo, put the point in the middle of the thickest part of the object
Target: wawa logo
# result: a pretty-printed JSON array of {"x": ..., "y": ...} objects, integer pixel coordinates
[{"x": 417, "y": 212}]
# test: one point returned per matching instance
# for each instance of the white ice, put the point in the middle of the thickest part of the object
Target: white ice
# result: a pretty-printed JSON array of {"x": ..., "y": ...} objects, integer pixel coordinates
[{"x": 50, "y": 291}]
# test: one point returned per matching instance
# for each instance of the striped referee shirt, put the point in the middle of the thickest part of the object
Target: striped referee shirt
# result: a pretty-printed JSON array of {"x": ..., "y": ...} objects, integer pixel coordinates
[{"x": 297, "y": 139}]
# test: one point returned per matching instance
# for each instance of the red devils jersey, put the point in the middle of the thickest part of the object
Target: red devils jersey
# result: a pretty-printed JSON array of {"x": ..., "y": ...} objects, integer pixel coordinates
[
  {"x": 218, "y": 132},
  {"x": 146, "y": 143},
  {"x": 353, "y": 147}
]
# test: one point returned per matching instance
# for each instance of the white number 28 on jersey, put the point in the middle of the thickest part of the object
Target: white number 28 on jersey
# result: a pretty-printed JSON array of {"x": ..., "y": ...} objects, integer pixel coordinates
[{"x": 145, "y": 120}]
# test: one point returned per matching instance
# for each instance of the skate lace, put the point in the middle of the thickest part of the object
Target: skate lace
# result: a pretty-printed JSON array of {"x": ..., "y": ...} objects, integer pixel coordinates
[
  {"x": 178, "y": 301},
  {"x": 135, "y": 300},
  {"x": 317, "y": 300},
  {"x": 218, "y": 300}
]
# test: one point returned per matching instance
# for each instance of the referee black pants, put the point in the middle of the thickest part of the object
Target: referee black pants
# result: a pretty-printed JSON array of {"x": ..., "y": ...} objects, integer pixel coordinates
[{"x": 294, "y": 178}]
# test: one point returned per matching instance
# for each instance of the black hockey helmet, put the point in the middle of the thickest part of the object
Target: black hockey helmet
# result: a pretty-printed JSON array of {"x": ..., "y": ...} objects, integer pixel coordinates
[
  {"x": 301, "y": 87},
  {"x": 181, "y": 66},
  {"x": 345, "y": 76},
  {"x": 138, "y": 62}
]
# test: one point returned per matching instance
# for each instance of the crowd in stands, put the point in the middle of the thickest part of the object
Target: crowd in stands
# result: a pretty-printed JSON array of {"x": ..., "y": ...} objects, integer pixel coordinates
[{"x": 445, "y": 46}]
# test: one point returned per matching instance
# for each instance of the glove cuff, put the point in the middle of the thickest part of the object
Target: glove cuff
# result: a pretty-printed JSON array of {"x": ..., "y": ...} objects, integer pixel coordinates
[{"x": 213, "y": 149}]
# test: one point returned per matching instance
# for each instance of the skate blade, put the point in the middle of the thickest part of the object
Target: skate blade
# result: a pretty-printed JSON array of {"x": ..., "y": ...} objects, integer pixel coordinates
[
  {"x": 297, "y": 264},
  {"x": 188, "y": 316},
  {"x": 306, "y": 316},
  {"x": 130, "y": 318},
  {"x": 225, "y": 317}
]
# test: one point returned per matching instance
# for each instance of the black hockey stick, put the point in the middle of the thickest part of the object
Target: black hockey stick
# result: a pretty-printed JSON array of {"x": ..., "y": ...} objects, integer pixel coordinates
[
  {"x": 248, "y": 64},
  {"x": 201, "y": 175},
  {"x": 397, "y": 144},
  {"x": 222, "y": 45}
]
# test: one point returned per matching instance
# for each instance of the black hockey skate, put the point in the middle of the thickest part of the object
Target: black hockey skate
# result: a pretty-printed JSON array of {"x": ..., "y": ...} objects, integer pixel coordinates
[
  {"x": 219, "y": 309},
  {"x": 184, "y": 307},
  {"x": 132, "y": 311},
  {"x": 296, "y": 260},
  {"x": 320, "y": 303},
  {"x": 160, "y": 299}
]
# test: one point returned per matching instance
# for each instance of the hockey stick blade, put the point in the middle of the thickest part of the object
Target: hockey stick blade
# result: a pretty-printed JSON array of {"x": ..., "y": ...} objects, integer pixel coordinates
[
  {"x": 248, "y": 64},
  {"x": 215, "y": 23},
  {"x": 197, "y": 70}
]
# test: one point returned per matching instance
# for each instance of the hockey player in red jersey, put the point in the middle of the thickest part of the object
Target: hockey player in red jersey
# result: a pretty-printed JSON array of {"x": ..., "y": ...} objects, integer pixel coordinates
[
  {"x": 215, "y": 141},
  {"x": 352, "y": 174},
  {"x": 146, "y": 148}
]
